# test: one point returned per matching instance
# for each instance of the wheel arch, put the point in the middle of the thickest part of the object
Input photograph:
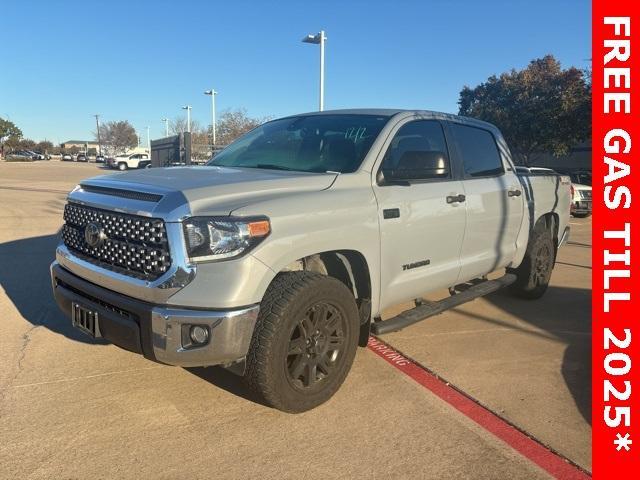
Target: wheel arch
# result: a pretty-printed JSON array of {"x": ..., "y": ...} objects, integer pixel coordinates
[{"x": 349, "y": 267}]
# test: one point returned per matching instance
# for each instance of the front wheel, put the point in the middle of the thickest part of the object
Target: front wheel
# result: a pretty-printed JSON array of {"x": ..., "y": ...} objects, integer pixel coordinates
[
  {"x": 534, "y": 273},
  {"x": 304, "y": 342},
  {"x": 122, "y": 166}
]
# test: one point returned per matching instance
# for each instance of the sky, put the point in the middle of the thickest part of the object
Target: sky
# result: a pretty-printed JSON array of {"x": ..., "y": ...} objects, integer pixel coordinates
[{"x": 64, "y": 61}]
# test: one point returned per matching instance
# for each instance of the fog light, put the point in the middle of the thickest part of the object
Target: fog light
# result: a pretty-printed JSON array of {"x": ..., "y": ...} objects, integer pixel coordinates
[{"x": 199, "y": 334}]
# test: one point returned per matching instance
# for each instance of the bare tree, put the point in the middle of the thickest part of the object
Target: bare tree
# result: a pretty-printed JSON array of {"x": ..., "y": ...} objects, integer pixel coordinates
[
  {"x": 179, "y": 125},
  {"x": 117, "y": 137},
  {"x": 45, "y": 146},
  {"x": 234, "y": 123}
]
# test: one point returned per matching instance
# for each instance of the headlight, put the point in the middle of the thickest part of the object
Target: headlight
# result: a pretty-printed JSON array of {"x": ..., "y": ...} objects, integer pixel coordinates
[{"x": 222, "y": 238}]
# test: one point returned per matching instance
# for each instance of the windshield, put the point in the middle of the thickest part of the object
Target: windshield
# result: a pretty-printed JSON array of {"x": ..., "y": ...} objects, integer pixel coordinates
[
  {"x": 314, "y": 143},
  {"x": 582, "y": 178}
]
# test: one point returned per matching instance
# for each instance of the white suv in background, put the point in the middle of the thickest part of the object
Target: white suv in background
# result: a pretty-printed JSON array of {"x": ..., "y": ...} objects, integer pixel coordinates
[{"x": 132, "y": 160}]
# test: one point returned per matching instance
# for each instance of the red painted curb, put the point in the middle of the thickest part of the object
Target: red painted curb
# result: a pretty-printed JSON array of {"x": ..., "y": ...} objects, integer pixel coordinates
[{"x": 546, "y": 459}]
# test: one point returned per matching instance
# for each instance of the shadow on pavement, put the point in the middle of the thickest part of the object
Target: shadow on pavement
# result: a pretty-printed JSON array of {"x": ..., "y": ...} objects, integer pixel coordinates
[
  {"x": 227, "y": 381},
  {"x": 564, "y": 314},
  {"x": 24, "y": 276}
]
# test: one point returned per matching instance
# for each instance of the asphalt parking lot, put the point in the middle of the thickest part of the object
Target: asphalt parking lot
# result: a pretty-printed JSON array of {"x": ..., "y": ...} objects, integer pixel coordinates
[{"x": 74, "y": 408}]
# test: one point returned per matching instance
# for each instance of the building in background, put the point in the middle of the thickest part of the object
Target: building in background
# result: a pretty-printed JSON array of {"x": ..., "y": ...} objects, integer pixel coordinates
[{"x": 79, "y": 145}]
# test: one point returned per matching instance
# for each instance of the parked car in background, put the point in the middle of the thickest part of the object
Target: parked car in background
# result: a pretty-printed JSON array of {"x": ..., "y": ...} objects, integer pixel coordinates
[
  {"x": 100, "y": 159},
  {"x": 82, "y": 158},
  {"x": 23, "y": 155},
  {"x": 127, "y": 161},
  {"x": 67, "y": 157},
  {"x": 35, "y": 155},
  {"x": 581, "y": 203}
]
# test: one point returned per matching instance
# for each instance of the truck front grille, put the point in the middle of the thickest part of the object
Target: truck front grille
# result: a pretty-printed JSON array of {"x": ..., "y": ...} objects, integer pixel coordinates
[{"x": 125, "y": 243}]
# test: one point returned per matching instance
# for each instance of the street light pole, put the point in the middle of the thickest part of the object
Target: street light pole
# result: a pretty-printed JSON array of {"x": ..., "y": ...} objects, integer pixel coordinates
[
  {"x": 322, "y": 39},
  {"x": 149, "y": 139},
  {"x": 319, "y": 39},
  {"x": 98, "y": 133},
  {"x": 166, "y": 126},
  {"x": 188, "y": 109},
  {"x": 213, "y": 94}
]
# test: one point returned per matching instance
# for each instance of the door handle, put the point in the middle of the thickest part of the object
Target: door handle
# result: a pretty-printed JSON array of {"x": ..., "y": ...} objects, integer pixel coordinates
[
  {"x": 514, "y": 193},
  {"x": 456, "y": 198}
]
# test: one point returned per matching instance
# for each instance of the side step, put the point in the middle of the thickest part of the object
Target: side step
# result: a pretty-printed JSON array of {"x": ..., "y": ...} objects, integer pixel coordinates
[{"x": 426, "y": 310}]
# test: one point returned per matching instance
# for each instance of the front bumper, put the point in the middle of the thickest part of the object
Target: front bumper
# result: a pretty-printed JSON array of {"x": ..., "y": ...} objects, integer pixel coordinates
[{"x": 156, "y": 331}]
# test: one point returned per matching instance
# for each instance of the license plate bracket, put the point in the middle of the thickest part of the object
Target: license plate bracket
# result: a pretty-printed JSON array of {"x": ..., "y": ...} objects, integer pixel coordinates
[{"x": 85, "y": 319}]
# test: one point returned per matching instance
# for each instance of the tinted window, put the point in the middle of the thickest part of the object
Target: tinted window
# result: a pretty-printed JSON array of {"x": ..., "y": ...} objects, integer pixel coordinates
[
  {"x": 478, "y": 150},
  {"x": 418, "y": 151},
  {"x": 313, "y": 143}
]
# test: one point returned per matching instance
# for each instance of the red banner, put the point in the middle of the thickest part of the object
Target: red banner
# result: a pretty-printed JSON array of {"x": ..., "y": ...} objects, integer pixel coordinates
[{"x": 616, "y": 297}]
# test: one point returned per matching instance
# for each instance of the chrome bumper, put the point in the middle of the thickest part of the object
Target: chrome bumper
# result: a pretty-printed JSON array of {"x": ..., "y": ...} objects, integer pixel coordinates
[
  {"x": 229, "y": 335},
  {"x": 158, "y": 332}
]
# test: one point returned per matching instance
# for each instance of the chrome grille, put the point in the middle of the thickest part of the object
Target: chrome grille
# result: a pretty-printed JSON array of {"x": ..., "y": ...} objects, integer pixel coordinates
[
  {"x": 130, "y": 244},
  {"x": 585, "y": 194}
]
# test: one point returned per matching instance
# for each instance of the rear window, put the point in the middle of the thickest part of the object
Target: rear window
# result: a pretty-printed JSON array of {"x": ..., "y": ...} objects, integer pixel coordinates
[{"x": 479, "y": 151}]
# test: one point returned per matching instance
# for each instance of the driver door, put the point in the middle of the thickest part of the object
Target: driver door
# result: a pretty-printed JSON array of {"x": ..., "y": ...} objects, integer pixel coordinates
[{"x": 422, "y": 217}]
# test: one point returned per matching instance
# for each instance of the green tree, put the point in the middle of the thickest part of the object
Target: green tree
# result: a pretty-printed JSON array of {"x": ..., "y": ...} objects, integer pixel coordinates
[
  {"x": 117, "y": 137},
  {"x": 541, "y": 108},
  {"x": 10, "y": 134}
]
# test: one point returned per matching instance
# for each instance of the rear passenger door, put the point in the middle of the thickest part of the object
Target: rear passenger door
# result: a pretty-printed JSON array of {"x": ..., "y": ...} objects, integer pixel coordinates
[{"x": 494, "y": 202}]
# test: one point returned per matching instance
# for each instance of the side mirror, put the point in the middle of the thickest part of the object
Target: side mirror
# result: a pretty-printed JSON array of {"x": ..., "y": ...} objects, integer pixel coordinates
[{"x": 418, "y": 165}]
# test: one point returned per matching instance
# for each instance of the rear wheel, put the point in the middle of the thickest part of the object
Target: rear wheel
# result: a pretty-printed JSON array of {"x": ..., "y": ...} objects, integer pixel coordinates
[
  {"x": 304, "y": 342},
  {"x": 534, "y": 273}
]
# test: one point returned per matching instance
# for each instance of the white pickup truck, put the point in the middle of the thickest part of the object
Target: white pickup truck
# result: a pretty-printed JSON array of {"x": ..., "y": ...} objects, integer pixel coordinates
[{"x": 277, "y": 259}]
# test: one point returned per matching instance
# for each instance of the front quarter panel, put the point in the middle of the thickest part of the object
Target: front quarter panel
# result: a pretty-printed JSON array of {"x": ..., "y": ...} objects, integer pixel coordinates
[{"x": 343, "y": 217}]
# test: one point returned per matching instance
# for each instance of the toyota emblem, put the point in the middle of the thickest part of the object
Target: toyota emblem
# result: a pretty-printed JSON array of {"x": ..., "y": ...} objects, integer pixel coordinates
[{"x": 94, "y": 235}]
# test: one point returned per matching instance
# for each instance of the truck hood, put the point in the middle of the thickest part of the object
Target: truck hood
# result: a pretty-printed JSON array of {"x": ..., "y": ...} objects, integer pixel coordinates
[{"x": 214, "y": 190}]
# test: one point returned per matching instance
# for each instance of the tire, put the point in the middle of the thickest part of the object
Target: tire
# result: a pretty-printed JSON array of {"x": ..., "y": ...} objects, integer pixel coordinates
[
  {"x": 534, "y": 273},
  {"x": 291, "y": 366},
  {"x": 122, "y": 166}
]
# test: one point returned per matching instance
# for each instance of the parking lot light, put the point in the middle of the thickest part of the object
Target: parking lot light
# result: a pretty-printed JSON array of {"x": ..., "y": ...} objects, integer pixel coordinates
[
  {"x": 188, "y": 109},
  {"x": 213, "y": 94},
  {"x": 166, "y": 126},
  {"x": 98, "y": 133},
  {"x": 319, "y": 39}
]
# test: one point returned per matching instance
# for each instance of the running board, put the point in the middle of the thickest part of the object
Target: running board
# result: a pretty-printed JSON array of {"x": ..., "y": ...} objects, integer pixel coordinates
[{"x": 426, "y": 310}]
